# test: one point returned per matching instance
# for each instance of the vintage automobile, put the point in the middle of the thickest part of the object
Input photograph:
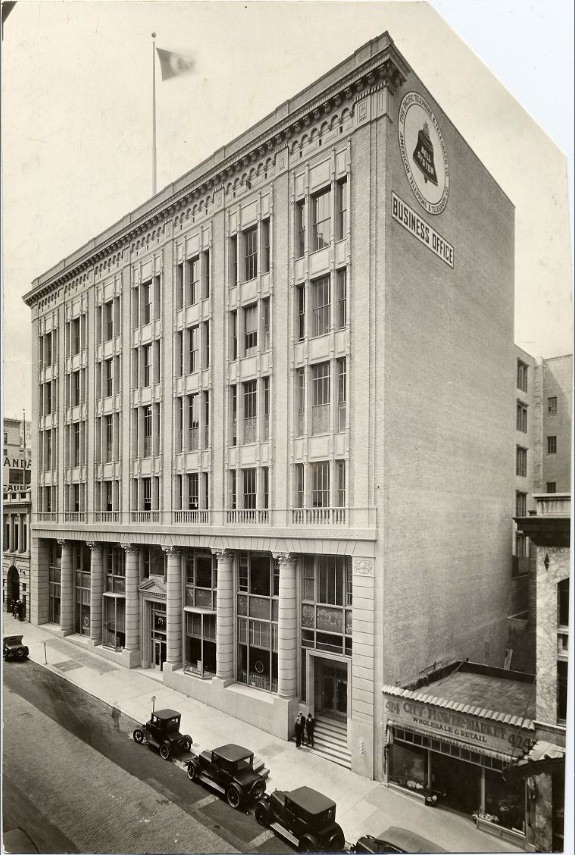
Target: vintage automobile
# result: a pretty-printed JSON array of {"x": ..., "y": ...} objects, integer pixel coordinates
[
  {"x": 163, "y": 732},
  {"x": 396, "y": 839},
  {"x": 12, "y": 647},
  {"x": 229, "y": 770},
  {"x": 304, "y": 817}
]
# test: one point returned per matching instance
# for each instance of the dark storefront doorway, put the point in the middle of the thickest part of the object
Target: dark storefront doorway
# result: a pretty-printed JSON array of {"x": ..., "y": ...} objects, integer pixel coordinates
[
  {"x": 331, "y": 688},
  {"x": 13, "y": 587},
  {"x": 460, "y": 783}
]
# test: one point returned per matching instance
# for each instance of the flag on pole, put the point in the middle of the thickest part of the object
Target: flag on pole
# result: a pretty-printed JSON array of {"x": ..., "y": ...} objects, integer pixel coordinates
[{"x": 173, "y": 64}]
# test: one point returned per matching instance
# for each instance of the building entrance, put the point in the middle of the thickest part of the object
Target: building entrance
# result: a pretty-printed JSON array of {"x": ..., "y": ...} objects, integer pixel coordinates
[
  {"x": 13, "y": 587},
  {"x": 158, "y": 639},
  {"x": 330, "y": 688},
  {"x": 458, "y": 782},
  {"x": 159, "y": 654}
]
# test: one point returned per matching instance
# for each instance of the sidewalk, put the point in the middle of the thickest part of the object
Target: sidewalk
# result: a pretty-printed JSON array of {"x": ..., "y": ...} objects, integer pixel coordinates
[{"x": 363, "y": 807}]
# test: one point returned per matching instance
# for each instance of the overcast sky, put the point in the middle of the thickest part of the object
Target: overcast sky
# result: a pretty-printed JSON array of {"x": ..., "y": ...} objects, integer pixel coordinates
[{"x": 76, "y": 129}]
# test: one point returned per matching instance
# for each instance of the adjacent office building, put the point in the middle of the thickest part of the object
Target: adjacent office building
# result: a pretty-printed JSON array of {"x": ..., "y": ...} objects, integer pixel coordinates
[
  {"x": 16, "y": 512},
  {"x": 272, "y": 448}
]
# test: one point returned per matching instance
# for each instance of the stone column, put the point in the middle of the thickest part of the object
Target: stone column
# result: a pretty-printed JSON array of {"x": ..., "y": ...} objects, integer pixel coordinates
[
  {"x": 287, "y": 626},
  {"x": 174, "y": 606},
  {"x": 66, "y": 589},
  {"x": 96, "y": 590},
  {"x": 225, "y": 615},
  {"x": 132, "y": 600}
]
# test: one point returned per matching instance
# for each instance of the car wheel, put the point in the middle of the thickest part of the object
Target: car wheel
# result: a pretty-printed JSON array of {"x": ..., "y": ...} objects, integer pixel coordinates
[
  {"x": 262, "y": 815},
  {"x": 307, "y": 844},
  {"x": 20, "y": 654},
  {"x": 258, "y": 790},
  {"x": 233, "y": 796},
  {"x": 188, "y": 743},
  {"x": 138, "y": 736},
  {"x": 165, "y": 751},
  {"x": 192, "y": 770},
  {"x": 336, "y": 842}
]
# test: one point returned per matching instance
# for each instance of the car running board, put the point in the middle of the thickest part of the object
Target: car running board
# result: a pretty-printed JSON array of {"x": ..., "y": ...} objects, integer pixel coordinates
[
  {"x": 210, "y": 782},
  {"x": 283, "y": 832}
]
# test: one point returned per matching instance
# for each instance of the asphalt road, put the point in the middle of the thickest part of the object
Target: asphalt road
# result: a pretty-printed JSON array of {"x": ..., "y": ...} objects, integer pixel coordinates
[{"x": 75, "y": 784}]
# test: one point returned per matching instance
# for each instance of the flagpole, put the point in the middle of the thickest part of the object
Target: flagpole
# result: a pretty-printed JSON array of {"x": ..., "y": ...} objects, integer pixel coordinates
[{"x": 154, "y": 152}]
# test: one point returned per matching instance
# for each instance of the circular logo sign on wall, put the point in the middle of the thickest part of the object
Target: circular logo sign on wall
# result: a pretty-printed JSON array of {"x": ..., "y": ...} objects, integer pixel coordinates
[{"x": 423, "y": 153}]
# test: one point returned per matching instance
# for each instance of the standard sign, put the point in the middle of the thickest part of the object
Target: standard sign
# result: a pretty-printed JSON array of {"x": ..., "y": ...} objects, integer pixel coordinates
[{"x": 421, "y": 230}]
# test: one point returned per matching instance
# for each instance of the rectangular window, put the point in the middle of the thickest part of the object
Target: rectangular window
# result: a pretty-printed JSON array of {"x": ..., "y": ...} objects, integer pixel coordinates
[
  {"x": 320, "y": 291},
  {"x": 320, "y": 397},
  {"x": 157, "y": 296},
  {"x": 522, "y": 376},
  {"x": 321, "y": 220},
  {"x": 552, "y": 406},
  {"x": 146, "y": 302},
  {"x": 193, "y": 341},
  {"x": 250, "y": 411},
  {"x": 300, "y": 228},
  {"x": 109, "y": 438},
  {"x": 341, "y": 394},
  {"x": 266, "y": 340},
  {"x": 75, "y": 336},
  {"x": 551, "y": 445},
  {"x": 341, "y": 283},
  {"x": 193, "y": 422},
  {"x": 179, "y": 286},
  {"x": 265, "y": 486},
  {"x": 108, "y": 320},
  {"x": 299, "y": 486},
  {"x": 206, "y": 404},
  {"x": 320, "y": 484},
  {"x": 562, "y": 691},
  {"x": 146, "y": 364},
  {"x": 521, "y": 548},
  {"x": 521, "y": 461},
  {"x": 193, "y": 281},
  {"x": 179, "y": 424},
  {"x": 146, "y": 494},
  {"x": 266, "y": 254},
  {"x": 249, "y": 478},
  {"x": 520, "y": 504},
  {"x": 206, "y": 274},
  {"x": 76, "y": 444},
  {"x": 341, "y": 209},
  {"x": 233, "y": 489},
  {"x": 266, "y": 407},
  {"x": 250, "y": 328},
  {"x": 233, "y": 415},
  {"x": 300, "y": 311},
  {"x": 147, "y": 416},
  {"x": 234, "y": 335},
  {"x": 75, "y": 388},
  {"x": 340, "y": 483},
  {"x": 108, "y": 378},
  {"x": 233, "y": 261},
  {"x": 179, "y": 356},
  {"x": 250, "y": 237},
  {"x": 300, "y": 401},
  {"x": 205, "y": 344},
  {"x": 551, "y": 486},
  {"x": 193, "y": 491},
  {"x": 521, "y": 417}
]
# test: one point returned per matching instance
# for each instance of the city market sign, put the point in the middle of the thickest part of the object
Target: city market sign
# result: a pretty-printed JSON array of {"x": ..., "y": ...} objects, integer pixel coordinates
[
  {"x": 424, "y": 233},
  {"x": 423, "y": 153},
  {"x": 470, "y": 729}
]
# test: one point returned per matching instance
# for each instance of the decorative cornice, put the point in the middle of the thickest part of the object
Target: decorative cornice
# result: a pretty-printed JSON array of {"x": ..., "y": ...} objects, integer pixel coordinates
[{"x": 387, "y": 68}]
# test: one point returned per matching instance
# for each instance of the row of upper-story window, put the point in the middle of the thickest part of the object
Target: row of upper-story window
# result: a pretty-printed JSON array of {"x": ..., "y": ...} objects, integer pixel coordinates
[
  {"x": 522, "y": 413},
  {"x": 318, "y": 484},
  {"x": 521, "y": 456}
]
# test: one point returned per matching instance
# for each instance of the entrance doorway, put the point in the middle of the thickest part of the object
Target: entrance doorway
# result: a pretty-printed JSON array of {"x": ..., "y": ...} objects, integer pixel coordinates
[
  {"x": 331, "y": 688},
  {"x": 158, "y": 653},
  {"x": 13, "y": 587},
  {"x": 158, "y": 637}
]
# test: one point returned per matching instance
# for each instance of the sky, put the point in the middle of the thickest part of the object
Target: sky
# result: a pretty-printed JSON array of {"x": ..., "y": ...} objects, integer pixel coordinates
[{"x": 77, "y": 120}]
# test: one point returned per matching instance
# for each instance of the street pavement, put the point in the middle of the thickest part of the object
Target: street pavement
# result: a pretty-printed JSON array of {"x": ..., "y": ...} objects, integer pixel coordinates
[{"x": 363, "y": 806}]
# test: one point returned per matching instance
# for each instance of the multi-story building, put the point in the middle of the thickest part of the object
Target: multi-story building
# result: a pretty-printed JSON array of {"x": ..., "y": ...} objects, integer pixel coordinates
[
  {"x": 272, "y": 451},
  {"x": 16, "y": 512}
]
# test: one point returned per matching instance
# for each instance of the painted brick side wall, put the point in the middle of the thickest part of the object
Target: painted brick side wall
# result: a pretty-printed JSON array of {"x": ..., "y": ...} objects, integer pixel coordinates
[{"x": 447, "y": 444}]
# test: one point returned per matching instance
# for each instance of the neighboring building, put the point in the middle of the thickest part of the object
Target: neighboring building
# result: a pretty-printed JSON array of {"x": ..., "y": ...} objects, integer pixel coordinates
[
  {"x": 273, "y": 453},
  {"x": 554, "y": 394},
  {"x": 16, "y": 513},
  {"x": 543, "y": 767}
]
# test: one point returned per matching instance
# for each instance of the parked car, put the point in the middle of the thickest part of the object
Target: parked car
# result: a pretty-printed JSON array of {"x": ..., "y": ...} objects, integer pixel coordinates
[
  {"x": 12, "y": 647},
  {"x": 18, "y": 840},
  {"x": 163, "y": 732},
  {"x": 304, "y": 817},
  {"x": 396, "y": 839},
  {"x": 229, "y": 770}
]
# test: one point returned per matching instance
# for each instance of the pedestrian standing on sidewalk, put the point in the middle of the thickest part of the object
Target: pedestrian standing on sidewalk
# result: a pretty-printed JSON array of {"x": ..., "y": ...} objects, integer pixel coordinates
[
  {"x": 15, "y": 608},
  {"x": 299, "y": 728},
  {"x": 309, "y": 729},
  {"x": 20, "y": 608},
  {"x": 116, "y": 717}
]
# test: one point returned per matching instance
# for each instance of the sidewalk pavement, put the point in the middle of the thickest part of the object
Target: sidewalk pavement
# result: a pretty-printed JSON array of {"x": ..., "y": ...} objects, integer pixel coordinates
[{"x": 363, "y": 806}]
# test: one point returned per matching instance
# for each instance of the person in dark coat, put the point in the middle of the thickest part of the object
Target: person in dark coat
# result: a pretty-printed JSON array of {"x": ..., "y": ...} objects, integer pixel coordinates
[
  {"x": 309, "y": 729},
  {"x": 299, "y": 728}
]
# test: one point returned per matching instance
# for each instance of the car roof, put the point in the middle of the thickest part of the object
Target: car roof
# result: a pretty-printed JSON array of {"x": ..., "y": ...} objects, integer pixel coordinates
[
  {"x": 310, "y": 800},
  {"x": 409, "y": 840},
  {"x": 233, "y": 752},
  {"x": 15, "y": 639},
  {"x": 165, "y": 713}
]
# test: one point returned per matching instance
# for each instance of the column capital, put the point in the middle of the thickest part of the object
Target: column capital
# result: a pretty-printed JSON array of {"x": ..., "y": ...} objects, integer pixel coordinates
[
  {"x": 223, "y": 554},
  {"x": 171, "y": 550},
  {"x": 284, "y": 558},
  {"x": 92, "y": 544},
  {"x": 62, "y": 542},
  {"x": 129, "y": 547}
]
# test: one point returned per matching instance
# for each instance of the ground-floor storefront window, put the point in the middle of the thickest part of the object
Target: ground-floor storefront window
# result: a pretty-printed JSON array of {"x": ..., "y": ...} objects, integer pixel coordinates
[
  {"x": 54, "y": 595},
  {"x": 201, "y": 643},
  {"x": 114, "y": 630},
  {"x": 257, "y": 654},
  {"x": 82, "y": 607}
]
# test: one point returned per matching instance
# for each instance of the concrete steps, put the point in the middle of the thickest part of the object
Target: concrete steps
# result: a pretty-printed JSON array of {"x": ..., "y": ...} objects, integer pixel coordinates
[{"x": 330, "y": 741}]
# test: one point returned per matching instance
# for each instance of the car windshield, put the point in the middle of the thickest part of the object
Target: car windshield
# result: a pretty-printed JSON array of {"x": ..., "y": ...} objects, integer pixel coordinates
[{"x": 243, "y": 764}]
